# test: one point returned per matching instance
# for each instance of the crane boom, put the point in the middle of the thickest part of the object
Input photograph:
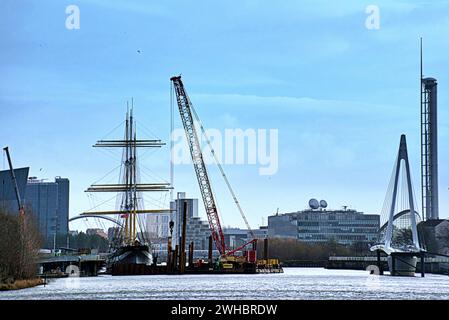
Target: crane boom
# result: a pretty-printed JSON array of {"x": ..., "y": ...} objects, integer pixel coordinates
[
  {"x": 185, "y": 108},
  {"x": 14, "y": 180}
]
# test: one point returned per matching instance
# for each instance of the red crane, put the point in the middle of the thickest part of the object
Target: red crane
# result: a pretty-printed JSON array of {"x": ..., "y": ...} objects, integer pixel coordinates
[{"x": 185, "y": 110}]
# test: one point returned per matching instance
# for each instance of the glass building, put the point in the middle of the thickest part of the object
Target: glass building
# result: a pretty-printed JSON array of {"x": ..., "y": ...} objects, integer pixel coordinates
[
  {"x": 8, "y": 198},
  {"x": 195, "y": 226},
  {"x": 344, "y": 226},
  {"x": 49, "y": 204}
]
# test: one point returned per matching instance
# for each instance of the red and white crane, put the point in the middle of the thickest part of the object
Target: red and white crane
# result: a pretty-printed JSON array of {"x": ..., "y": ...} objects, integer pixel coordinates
[{"x": 188, "y": 113}]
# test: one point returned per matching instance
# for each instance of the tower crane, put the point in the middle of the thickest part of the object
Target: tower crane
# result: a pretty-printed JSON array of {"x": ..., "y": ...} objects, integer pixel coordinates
[{"x": 187, "y": 113}]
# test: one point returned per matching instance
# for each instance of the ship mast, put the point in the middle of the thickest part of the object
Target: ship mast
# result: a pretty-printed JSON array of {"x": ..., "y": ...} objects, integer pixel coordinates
[{"x": 129, "y": 188}]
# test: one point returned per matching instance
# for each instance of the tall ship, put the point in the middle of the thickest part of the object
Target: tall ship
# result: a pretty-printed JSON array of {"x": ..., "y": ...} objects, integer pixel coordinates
[{"x": 130, "y": 249}]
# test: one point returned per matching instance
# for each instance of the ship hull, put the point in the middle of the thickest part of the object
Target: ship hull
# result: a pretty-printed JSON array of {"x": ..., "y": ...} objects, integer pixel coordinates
[{"x": 129, "y": 259}]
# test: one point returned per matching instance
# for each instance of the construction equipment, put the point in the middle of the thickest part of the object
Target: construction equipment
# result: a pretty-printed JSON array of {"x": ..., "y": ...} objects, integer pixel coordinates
[
  {"x": 14, "y": 180},
  {"x": 188, "y": 113},
  {"x": 24, "y": 243}
]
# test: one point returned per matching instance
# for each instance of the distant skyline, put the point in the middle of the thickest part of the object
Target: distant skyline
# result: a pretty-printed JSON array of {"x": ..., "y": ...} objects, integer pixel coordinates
[{"x": 339, "y": 94}]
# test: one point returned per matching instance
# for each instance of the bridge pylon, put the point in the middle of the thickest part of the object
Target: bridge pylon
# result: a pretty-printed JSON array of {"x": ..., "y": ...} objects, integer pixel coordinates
[
  {"x": 401, "y": 244},
  {"x": 397, "y": 241}
]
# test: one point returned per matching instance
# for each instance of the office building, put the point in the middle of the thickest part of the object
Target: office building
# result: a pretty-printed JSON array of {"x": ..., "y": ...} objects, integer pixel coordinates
[
  {"x": 49, "y": 204},
  {"x": 197, "y": 229},
  {"x": 344, "y": 226},
  {"x": 158, "y": 225},
  {"x": 8, "y": 199},
  {"x": 178, "y": 209},
  {"x": 236, "y": 237}
]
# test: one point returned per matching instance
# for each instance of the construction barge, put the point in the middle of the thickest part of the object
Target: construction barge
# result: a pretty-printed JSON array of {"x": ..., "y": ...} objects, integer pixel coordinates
[
  {"x": 131, "y": 251},
  {"x": 132, "y": 269},
  {"x": 176, "y": 264},
  {"x": 241, "y": 260}
]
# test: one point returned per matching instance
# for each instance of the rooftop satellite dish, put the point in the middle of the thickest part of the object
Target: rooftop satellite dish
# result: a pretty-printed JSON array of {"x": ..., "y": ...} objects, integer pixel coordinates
[
  {"x": 314, "y": 204},
  {"x": 323, "y": 204}
]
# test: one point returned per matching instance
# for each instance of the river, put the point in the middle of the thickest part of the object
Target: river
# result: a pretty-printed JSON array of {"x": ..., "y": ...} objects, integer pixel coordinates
[{"x": 294, "y": 283}]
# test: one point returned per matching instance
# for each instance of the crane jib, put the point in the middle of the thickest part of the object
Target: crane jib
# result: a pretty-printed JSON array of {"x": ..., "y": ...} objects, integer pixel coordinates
[{"x": 199, "y": 165}]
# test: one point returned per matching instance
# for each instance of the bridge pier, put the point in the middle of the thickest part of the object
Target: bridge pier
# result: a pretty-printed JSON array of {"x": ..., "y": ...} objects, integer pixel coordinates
[
  {"x": 402, "y": 264},
  {"x": 379, "y": 263},
  {"x": 393, "y": 265},
  {"x": 423, "y": 265}
]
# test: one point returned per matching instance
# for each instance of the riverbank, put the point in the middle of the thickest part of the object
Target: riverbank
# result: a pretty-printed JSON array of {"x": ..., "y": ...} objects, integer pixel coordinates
[
  {"x": 21, "y": 284},
  {"x": 293, "y": 284}
]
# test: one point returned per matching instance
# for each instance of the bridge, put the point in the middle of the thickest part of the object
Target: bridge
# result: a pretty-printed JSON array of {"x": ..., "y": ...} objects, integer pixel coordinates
[
  {"x": 81, "y": 263},
  {"x": 63, "y": 265},
  {"x": 97, "y": 216},
  {"x": 438, "y": 265},
  {"x": 399, "y": 238}
]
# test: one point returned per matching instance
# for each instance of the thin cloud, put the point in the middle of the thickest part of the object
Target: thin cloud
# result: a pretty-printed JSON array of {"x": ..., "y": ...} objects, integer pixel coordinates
[{"x": 298, "y": 104}]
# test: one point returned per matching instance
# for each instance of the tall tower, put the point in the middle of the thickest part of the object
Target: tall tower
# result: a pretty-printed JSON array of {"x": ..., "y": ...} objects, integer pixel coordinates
[{"x": 429, "y": 147}]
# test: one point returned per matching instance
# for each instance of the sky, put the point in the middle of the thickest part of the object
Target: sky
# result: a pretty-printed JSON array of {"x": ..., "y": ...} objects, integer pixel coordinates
[{"x": 338, "y": 93}]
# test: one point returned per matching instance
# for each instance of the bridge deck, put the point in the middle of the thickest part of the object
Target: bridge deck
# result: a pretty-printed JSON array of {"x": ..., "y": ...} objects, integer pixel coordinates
[{"x": 373, "y": 259}]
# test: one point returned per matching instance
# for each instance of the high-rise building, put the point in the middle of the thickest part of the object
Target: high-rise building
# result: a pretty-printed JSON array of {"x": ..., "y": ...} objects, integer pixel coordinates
[
  {"x": 158, "y": 225},
  {"x": 8, "y": 199},
  {"x": 197, "y": 229},
  {"x": 49, "y": 204},
  {"x": 63, "y": 204},
  {"x": 178, "y": 210}
]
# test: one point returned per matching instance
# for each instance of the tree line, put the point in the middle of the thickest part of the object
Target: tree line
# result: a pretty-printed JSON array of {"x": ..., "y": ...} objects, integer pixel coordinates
[
  {"x": 20, "y": 242},
  {"x": 82, "y": 240}
]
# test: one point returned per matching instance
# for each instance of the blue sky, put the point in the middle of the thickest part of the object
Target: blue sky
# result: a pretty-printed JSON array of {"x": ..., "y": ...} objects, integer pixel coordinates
[{"x": 339, "y": 94}]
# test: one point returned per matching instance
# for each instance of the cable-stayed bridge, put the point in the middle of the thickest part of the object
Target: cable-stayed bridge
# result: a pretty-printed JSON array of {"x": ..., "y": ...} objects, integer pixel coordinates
[{"x": 398, "y": 236}]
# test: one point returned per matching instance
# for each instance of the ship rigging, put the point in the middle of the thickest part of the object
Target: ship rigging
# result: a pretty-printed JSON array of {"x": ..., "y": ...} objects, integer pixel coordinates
[{"x": 131, "y": 243}]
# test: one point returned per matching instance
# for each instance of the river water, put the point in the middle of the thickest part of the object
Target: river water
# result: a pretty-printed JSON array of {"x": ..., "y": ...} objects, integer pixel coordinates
[{"x": 294, "y": 283}]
